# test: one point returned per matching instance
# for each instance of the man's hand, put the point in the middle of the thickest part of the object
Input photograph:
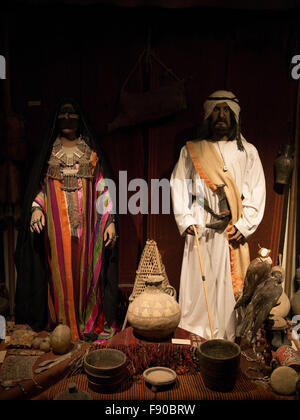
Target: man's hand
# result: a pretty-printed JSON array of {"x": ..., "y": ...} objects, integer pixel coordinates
[
  {"x": 235, "y": 235},
  {"x": 37, "y": 222},
  {"x": 110, "y": 237},
  {"x": 190, "y": 230}
]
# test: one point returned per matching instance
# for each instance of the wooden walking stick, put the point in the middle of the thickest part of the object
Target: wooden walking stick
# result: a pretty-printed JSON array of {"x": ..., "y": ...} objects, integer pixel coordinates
[{"x": 204, "y": 283}]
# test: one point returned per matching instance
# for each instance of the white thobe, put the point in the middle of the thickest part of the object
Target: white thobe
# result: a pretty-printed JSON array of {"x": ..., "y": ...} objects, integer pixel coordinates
[{"x": 246, "y": 169}]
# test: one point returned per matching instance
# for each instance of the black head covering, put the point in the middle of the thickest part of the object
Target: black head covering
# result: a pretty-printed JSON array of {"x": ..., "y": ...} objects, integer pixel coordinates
[{"x": 31, "y": 300}]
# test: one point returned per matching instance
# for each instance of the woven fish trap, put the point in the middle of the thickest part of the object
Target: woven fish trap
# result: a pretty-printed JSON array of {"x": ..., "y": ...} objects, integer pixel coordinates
[{"x": 150, "y": 264}]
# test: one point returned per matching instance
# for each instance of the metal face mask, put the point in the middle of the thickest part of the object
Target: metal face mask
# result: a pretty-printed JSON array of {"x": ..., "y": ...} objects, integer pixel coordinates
[{"x": 68, "y": 118}]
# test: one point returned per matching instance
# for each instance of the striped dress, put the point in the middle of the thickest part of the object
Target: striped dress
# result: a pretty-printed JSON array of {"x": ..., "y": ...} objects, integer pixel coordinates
[{"x": 75, "y": 224}]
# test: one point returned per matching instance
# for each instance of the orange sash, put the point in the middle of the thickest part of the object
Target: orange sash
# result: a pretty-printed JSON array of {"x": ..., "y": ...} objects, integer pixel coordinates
[{"x": 209, "y": 166}]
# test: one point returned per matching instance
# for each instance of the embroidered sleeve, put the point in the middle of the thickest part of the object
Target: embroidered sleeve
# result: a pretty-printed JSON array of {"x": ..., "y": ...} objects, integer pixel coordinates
[{"x": 39, "y": 200}]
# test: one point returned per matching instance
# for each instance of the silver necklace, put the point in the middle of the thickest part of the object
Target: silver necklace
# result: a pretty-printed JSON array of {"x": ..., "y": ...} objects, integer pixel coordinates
[{"x": 225, "y": 167}]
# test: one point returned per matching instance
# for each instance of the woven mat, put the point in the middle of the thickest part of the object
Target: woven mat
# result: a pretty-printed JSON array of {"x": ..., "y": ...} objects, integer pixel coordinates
[{"x": 16, "y": 368}]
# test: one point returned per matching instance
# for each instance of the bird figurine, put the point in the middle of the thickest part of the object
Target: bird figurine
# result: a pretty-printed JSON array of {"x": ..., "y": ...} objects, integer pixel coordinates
[
  {"x": 264, "y": 298},
  {"x": 257, "y": 271},
  {"x": 278, "y": 271}
]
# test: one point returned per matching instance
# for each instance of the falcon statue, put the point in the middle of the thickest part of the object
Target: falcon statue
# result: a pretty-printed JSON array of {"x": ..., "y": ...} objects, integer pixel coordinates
[
  {"x": 258, "y": 270},
  {"x": 264, "y": 298}
]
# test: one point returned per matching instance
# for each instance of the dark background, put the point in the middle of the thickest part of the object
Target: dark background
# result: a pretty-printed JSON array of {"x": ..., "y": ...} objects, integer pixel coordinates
[{"x": 87, "y": 49}]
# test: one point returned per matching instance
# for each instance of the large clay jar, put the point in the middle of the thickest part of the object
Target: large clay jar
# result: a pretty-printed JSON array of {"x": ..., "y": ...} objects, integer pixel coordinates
[
  {"x": 155, "y": 313},
  {"x": 61, "y": 339},
  {"x": 284, "y": 165}
]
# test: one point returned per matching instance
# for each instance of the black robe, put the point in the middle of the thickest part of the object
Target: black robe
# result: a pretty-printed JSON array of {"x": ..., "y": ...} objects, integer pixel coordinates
[{"x": 31, "y": 299}]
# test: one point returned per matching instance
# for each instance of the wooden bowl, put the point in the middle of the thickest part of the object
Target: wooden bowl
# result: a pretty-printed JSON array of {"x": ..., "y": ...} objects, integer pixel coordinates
[
  {"x": 105, "y": 368},
  {"x": 219, "y": 364}
]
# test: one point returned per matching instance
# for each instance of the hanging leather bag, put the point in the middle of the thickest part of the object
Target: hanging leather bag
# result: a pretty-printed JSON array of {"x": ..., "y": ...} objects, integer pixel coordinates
[{"x": 155, "y": 104}]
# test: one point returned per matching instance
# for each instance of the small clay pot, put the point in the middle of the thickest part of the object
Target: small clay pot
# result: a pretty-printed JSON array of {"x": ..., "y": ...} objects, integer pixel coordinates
[
  {"x": 45, "y": 345},
  {"x": 36, "y": 343},
  {"x": 284, "y": 165}
]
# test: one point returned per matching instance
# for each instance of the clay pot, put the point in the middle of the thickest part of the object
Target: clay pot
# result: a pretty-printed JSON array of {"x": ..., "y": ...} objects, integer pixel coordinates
[
  {"x": 284, "y": 306},
  {"x": 45, "y": 345},
  {"x": 284, "y": 165},
  {"x": 36, "y": 343},
  {"x": 61, "y": 339},
  {"x": 155, "y": 313}
]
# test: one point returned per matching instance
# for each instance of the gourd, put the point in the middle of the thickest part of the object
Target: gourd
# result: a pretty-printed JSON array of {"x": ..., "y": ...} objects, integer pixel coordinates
[
  {"x": 61, "y": 339},
  {"x": 283, "y": 380}
]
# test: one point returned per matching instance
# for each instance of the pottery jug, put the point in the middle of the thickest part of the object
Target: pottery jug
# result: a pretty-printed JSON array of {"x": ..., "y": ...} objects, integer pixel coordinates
[
  {"x": 155, "y": 313},
  {"x": 284, "y": 165}
]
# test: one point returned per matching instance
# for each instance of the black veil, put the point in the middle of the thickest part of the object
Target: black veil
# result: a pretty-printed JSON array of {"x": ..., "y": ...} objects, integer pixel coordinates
[{"x": 31, "y": 299}]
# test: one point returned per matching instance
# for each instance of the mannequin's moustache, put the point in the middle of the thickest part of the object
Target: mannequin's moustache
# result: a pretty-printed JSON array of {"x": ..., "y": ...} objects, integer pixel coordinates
[{"x": 220, "y": 120}]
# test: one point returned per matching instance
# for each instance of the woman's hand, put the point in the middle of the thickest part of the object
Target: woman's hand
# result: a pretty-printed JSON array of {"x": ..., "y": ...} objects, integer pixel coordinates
[
  {"x": 37, "y": 222},
  {"x": 110, "y": 237}
]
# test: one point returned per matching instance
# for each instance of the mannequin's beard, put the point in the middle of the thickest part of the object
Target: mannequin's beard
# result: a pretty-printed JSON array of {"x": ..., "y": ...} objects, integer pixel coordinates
[{"x": 221, "y": 130}]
